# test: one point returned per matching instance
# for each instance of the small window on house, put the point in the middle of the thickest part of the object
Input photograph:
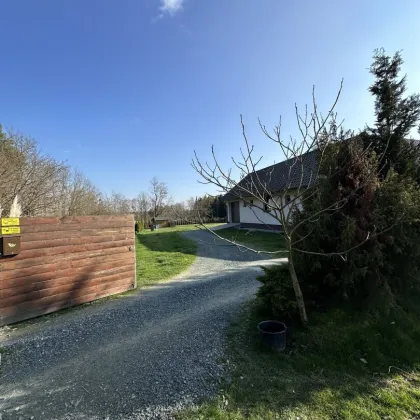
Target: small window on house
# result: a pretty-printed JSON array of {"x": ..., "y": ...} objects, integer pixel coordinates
[
  {"x": 267, "y": 198},
  {"x": 250, "y": 202},
  {"x": 288, "y": 199}
]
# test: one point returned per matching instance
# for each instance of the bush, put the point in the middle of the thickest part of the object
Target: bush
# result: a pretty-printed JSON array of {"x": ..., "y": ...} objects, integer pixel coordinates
[
  {"x": 386, "y": 211},
  {"x": 139, "y": 226},
  {"x": 277, "y": 292}
]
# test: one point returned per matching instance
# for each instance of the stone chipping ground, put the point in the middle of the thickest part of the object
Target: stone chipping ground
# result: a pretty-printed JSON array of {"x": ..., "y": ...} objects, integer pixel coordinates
[{"x": 142, "y": 356}]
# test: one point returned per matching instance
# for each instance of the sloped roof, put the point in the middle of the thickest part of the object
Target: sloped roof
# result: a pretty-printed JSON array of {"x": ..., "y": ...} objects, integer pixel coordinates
[
  {"x": 278, "y": 177},
  {"x": 284, "y": 175}
]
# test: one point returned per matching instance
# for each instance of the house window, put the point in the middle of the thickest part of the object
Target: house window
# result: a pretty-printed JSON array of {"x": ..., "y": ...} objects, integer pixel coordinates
[
  {"x": 288, "y": 199},
  {"x": 267, "y": 198},
  {"x": 250, "y": 202}
]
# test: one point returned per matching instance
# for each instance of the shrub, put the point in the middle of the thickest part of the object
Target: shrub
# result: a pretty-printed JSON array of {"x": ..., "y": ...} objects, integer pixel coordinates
[
  {"x": 139, "y": 226},
  {"x": 277, "y": 292}
]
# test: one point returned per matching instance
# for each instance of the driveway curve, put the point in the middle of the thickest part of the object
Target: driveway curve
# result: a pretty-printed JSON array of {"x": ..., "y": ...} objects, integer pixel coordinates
[{"x": 143, "y": 356}]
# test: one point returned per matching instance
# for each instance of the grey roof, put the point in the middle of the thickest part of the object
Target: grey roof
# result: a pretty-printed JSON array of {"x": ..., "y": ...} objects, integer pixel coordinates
[
  {"x": 278, "y": 177},
  {"x": 284, "y": 175}
]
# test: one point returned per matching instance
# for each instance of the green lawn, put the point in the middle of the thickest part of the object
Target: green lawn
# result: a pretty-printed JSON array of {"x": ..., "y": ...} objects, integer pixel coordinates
[
  {"x": 262, "y": 241},
  {"x": 346, "y": 366},
  {"x": 163, "y": 253}
]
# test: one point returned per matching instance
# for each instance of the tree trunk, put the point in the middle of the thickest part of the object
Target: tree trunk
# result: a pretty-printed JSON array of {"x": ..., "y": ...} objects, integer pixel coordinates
[{"x": 298, "y": 291}]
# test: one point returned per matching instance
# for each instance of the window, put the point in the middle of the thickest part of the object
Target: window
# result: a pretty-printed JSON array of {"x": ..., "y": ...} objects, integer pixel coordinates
[
  {"x": 250, "y": 202},
  {"x": 288, "y": 199},
  {"x": 267, "y": 198}
]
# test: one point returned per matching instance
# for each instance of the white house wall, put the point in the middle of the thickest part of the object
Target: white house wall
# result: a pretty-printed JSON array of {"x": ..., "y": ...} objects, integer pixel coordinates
[{"x": 255, "y": 214}]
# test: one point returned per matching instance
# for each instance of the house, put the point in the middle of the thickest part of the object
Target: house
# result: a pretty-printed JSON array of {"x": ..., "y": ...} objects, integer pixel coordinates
[{"x": 275, "y": 183}]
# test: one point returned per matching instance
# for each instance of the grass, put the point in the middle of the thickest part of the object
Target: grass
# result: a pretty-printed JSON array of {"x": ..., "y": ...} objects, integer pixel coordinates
[
  {"x": 264, "y": 241},
  {"x": 322, "y": 374},
  {"x": 163, "y": 253}
]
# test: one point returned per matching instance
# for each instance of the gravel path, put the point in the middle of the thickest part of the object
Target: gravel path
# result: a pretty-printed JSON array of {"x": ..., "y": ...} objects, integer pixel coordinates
[{"x": 143, "y": 356}]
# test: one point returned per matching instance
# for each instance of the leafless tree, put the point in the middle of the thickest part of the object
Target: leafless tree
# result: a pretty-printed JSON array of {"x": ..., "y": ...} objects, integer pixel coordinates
[
  {"x": 254, "y": 187},
  {"x": 78, "y": 195},
  {"x": 143, "y": 207},
  {"x": 28, "y": 173},
  {"x": 159, "y": 196}
]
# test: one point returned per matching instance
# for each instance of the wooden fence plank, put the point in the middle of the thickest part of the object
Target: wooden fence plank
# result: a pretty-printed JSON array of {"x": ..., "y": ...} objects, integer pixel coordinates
[
  {"x": 70, "y": 249},
  {"x": 74, "y": 227},
  {"x": 28, "y": 221},
  {"x": 63, "y": 281},
  {"x": 12, "y": 315},
  {"x": 52, "y": 243},
  {"x": 69, "y": 288},
  {"x": 62, "y": 276},
  {"x": 63, "y": 259}
]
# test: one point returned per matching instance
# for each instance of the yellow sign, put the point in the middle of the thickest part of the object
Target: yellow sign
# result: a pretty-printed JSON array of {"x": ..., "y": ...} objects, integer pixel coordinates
[
  {"x": 10, "y": 230},
  {"x": 10, "y": 221}
]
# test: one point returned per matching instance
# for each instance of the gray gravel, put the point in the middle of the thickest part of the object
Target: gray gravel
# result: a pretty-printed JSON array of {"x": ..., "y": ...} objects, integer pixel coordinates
[{"x": 144, "y": 356}]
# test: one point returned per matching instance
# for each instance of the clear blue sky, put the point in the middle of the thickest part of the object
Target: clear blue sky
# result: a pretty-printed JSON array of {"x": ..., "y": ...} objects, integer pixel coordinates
[{"x": 127, "y": 89}]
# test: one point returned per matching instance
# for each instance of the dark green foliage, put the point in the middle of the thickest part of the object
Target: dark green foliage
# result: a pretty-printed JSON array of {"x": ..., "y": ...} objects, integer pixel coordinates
[
  {"x": 277, "y": 292},
  {"x": 210, "y": 206},
  {"x": 139, "y": 227},
  {"x": 396, "y": 114},
  {"x": 349, "y": 193}
]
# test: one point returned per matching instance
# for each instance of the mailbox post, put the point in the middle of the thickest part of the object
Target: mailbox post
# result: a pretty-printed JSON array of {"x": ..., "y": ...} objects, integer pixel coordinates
[{"x": 10, "y": 236}]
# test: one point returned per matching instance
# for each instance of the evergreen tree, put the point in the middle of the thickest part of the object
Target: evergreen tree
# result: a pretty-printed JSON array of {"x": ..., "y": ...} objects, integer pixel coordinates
[{"x": 396, "y": 115}]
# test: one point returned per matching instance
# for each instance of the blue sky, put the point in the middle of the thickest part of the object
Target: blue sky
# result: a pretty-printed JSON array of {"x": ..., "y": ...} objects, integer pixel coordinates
[{"x": 126, "y": 89}]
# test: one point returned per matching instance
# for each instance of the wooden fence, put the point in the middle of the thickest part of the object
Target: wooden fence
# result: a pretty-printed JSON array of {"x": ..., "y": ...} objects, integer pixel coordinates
[{"x": 65, "y": 262}]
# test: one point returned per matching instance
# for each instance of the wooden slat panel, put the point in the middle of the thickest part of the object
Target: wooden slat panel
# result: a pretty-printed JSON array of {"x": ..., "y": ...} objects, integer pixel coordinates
[
  {"x": 118, "y": 259},
  {"x": 52, "y": 243},
  {"x": 62, "y": 275},
  {"x": 54, "y": 282},
  {"x": 47, "y": 236},
  {"x": 75, "y": 294},
  {"x": 71, "y": 249},
  {"x": 10, "y": 317},
  {"x": 65, "y": 262},
  {"x": 28, "y": 221},
  {"x": 74, "y": 227},
  {"x": 63, "y": 259},
  {"x": 67, "y": 288}
]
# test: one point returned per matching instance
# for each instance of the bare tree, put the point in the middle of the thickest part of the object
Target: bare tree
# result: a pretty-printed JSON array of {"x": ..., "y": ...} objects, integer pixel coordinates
[
  {"x": 159, "y": 196},
  {"x": 78, "y": 195},
  {"x": 143, "y": 207},
  {"x": 304, "y": 158},
  {"x": 26, "y": 172}
]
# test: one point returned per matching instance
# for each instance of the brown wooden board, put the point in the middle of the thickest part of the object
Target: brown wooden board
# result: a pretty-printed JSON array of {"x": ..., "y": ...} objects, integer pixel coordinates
[{"x": 65, "y": 262}]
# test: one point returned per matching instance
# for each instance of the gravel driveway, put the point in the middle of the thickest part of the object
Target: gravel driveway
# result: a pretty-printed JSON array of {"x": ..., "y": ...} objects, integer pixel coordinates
[{"x": 143, "y": 356}]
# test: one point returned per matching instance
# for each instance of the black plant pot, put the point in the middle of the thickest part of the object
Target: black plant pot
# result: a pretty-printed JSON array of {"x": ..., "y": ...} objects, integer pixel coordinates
[{"x": 273, "y": 334}]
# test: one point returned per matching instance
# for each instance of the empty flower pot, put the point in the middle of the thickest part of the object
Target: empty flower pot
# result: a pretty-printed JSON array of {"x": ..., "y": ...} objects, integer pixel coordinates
[{"x": 273, "y": 334}]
